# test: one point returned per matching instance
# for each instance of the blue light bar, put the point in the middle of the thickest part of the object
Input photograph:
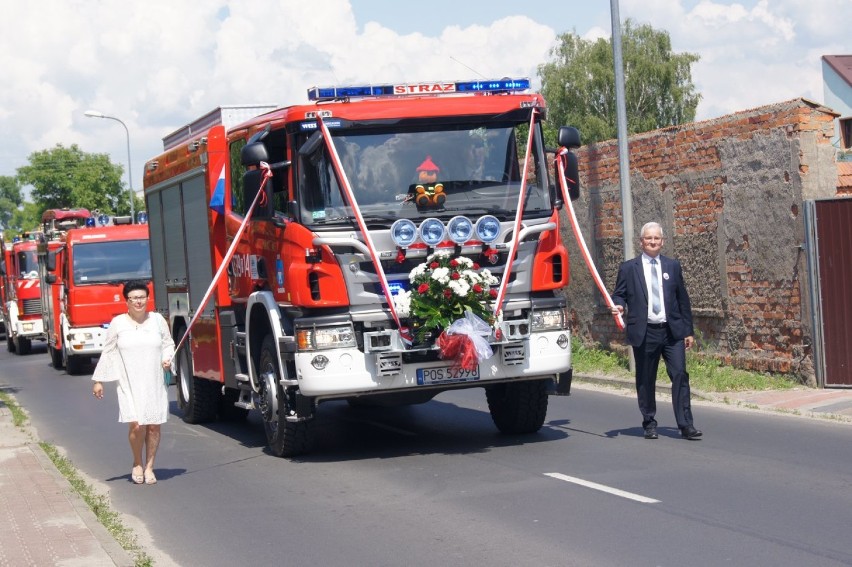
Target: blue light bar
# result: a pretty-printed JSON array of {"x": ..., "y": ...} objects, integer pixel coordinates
[{"x": 428, "y": 88}]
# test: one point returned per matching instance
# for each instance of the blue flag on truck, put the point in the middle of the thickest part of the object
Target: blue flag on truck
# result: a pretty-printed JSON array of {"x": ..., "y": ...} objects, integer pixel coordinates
[{"x": 217, "y": 200}]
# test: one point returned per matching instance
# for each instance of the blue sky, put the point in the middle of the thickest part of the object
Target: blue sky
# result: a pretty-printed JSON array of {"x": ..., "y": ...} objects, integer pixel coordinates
[{"x": 159, "y": 64}]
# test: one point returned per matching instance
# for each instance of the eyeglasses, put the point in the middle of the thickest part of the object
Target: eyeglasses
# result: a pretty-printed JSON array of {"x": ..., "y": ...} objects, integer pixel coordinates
[{"x": 138, "y": 299}]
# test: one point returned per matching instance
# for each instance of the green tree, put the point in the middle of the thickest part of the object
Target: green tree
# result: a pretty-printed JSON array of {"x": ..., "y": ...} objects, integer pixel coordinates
[
  {"x": 69, "y": 177},
  {"x": 579, "y": 84},
  {"x": 10, "y": 200}
]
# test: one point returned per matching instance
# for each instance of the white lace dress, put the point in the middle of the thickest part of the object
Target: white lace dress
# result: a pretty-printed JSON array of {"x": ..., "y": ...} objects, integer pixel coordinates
[{"x": 133, "y": 356}]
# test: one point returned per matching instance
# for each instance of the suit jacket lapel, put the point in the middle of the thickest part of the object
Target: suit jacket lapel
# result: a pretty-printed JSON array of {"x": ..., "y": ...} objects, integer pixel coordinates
[{"x": 639, "y": 274}]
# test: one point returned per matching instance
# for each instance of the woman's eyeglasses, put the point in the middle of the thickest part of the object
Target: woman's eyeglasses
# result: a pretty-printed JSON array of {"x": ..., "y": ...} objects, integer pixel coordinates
[{"x": 138, "y": 298}]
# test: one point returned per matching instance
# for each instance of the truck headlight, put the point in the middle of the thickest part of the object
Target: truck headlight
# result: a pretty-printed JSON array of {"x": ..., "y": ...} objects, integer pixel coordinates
[
  {"x": 549, "y": 320},
  {"x": 80, "y": 338},
  {"x": 318, "y": 338}
]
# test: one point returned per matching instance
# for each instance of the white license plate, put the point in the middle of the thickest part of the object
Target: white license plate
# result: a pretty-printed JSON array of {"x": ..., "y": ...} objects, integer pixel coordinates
[{"x": 445, "y": 374}]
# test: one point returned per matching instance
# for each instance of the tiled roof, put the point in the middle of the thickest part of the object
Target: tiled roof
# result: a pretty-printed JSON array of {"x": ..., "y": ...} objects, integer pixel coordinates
[{"x": 844, "y": 176}]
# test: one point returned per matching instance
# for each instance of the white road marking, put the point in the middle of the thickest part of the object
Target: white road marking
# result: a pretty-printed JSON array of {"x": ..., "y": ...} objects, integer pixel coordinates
[{"x": 602, "y": 488}]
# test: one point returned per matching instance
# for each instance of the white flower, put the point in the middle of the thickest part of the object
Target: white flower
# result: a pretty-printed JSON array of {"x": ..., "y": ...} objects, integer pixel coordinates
[
  {"x": 459, "y": 287},
  {"x": 464, "y": 262},
  {"x": 488, "y": 278},
  {"x": 417, "y": 271},
  {"x": 402, "y": 302},
  {"x": 441, "y": 275}
]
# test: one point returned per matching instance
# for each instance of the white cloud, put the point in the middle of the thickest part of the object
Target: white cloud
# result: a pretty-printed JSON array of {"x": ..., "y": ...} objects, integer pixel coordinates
[{"x": 161, "y": 63}]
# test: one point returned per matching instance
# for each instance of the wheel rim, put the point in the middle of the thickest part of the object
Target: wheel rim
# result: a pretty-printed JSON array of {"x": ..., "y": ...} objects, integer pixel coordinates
[
  {"x": 269, "y": 396},
  {"x": 183, "y": 366}
]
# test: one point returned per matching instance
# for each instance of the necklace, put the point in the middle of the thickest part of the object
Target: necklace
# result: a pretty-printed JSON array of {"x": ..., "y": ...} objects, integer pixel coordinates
[{"x": 137, "y": 324}]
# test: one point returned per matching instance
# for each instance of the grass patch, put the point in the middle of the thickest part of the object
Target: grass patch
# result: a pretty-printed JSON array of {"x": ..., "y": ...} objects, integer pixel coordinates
[
  {"x": 705, "y": 373},
  {"x": 99, "y": 504},
  {"x": 19, "y": 418}
]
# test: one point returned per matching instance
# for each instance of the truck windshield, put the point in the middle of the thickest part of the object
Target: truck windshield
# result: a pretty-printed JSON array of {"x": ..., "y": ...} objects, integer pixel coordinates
[
  {"x": 441, "y": 171},
  {"x": 109, "y": 262},
  {"x": 28, "y": 264}
]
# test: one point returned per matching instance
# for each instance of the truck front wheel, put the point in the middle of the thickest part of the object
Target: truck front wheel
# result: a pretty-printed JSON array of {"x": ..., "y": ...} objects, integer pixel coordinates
[
  {"x": 10, "y": 343},
  {"x": 197, "y": 398},
  {"x": 23, "y": 345},
  {"x": 74, "y": 365},
  {"x": 56, "y": 358},
  {"x": 518, "y": 407},
  {"x": 285, "y": 438}
]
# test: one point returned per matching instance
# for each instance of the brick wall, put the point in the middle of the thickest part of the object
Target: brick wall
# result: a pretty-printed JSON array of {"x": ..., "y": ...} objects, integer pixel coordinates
[{"x": 729, "y": 193}]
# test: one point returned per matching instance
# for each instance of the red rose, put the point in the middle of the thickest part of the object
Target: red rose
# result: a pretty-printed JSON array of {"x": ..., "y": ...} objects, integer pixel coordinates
[
  {"x": 423, "y": 288},
  {"x": 454, "y": 262},
  {"x": 455, "y": 275},
  {"x": 434, "y": 265},
  {"x": 475, "y": 266},
  {"x": 448, "y": 293},
  {"x": 493, "y": 293},
  {"x": 477, "y": 288}
]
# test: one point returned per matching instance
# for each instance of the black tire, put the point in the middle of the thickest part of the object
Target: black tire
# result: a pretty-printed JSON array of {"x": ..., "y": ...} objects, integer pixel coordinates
[
  {"x": 518, "y": 407},
  {"x": 23, "y": 345},
  {"x": 227, "y": 410},
  {"x": 56, "y": 358},
  {"x": 285, "y": 438},
  {"x": 10, "y": 343},
  {"x": 197, "y": 398},
  {"x": 75, "y": 365}
]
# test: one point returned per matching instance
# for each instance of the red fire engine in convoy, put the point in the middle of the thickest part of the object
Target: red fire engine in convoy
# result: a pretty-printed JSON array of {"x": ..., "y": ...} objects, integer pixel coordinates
[
  {"x": 5, "y": 260},
  {"x": 332, "y": 207},
  {"x": 83, "y": 262},
  {"x": 22, "y": 301}
]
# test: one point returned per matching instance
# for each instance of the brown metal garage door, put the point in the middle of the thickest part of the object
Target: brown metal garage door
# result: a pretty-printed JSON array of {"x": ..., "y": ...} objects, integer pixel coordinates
[{"x": 834, "y": 251}]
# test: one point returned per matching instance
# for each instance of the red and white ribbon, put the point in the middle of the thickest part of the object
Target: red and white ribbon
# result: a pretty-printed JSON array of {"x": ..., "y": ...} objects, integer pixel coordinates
[
  {"x": 359, "y": 218},
  {"x": 581, "y": 242},
  {"x": 519, "y": 217},
  {"x": 260, "y": 197}
]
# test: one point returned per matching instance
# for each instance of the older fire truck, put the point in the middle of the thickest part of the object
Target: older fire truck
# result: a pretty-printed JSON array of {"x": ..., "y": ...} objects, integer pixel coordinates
[
  {"x": 22, "y": 305},
  {"x": 321, "y": 212},
  {"x": 83, "y": 261}
]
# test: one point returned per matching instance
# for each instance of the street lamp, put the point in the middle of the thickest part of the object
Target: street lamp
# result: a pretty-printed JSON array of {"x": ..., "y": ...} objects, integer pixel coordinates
[{"x": 96, "y": 114}]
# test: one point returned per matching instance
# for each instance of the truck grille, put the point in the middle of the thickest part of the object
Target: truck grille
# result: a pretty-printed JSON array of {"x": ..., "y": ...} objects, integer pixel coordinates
[{"x": 32, "y": 306}]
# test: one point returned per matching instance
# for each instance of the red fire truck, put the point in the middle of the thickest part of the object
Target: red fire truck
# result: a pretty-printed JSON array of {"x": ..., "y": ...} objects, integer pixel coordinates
[
  {"x": 83, "y": 262},
  {"x": 22, "y": 298},
  {"x": 5, "y": 260},
  {"x": 324, "y": 211}
]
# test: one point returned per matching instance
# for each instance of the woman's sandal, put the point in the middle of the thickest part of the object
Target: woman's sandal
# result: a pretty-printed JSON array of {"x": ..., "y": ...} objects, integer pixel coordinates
[
  {"x": 137, "y": 478},
  {"x": 150, "y": 478}
]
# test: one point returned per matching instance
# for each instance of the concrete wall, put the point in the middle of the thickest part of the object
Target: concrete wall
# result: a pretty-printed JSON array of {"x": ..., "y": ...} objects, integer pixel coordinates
[{"x": 729, "y": 195}]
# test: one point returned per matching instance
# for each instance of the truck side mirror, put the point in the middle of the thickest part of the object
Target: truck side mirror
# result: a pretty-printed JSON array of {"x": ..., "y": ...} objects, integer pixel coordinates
[
  {"x": 569, "y": 137},
  {"x": 572, "y": 175},
  {"x": 3, "y": 268},
  {"x": 253, "y": 153},
  {"x": 50, "y": 262},
  {"x": 252, "y": 180}
]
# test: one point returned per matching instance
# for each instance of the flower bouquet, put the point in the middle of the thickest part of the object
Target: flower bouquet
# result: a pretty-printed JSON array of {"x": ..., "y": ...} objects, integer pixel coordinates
[{"x": 447, "y": 290}]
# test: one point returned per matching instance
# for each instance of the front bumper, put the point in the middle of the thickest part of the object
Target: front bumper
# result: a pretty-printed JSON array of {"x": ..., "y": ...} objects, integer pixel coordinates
[
  {"x": 30, "y": 329},
  {"x": 85, "y": 341},
  {"x": 337, "y": 373}
]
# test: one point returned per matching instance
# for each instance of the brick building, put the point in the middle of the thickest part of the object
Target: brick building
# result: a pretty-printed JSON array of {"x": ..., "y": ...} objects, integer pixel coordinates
[{"x": 730, "y": 194}]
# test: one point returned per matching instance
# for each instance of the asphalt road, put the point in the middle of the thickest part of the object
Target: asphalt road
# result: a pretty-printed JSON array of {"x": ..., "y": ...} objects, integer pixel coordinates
[{"x": 436, "y": 484}]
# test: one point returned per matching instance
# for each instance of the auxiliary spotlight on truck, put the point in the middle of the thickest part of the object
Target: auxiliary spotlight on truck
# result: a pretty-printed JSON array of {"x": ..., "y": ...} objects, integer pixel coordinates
[{"x": 280, "y": 237}]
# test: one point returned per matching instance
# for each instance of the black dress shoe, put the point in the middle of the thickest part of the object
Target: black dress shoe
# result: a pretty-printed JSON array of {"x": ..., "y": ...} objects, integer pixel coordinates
[
  {"x": 651, "y": 432},
  {"x": 689, "y": 432}
]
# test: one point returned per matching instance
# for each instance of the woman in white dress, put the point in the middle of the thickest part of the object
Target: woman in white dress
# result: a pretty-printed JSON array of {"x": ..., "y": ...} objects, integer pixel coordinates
[{"x": 137, "y": 349}]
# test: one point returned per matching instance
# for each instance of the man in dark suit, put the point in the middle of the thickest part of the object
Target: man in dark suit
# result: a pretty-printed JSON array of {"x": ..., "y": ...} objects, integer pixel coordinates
[{"x": 659, "y": 323}]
